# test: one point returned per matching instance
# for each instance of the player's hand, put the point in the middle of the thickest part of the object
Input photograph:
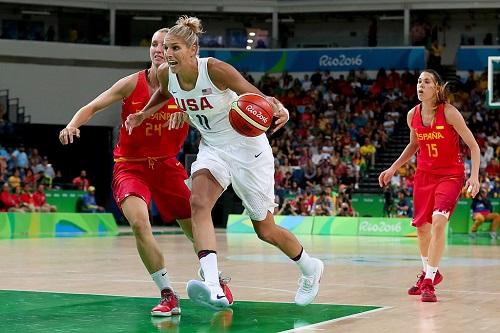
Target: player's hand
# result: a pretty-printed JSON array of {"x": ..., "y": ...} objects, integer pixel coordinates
[
  {"x": 473, "y": 186},
  {"x": 280, "y": 112},
  {"x": 134, "y": 120},
  {"x": 385, "y": 177},
  {"x": 176, "y": 120},
  {"x": 66, "y": 135}
]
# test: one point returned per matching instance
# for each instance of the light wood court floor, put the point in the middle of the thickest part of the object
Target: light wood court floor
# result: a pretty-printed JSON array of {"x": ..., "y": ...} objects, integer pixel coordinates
[{"x": 358, "y": 271}]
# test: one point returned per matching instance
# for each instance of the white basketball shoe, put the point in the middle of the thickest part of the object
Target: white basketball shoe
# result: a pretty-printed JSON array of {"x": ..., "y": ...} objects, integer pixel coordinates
[
  {"x": 207, "y": 294},
  {"x": 309, "y": 284}
]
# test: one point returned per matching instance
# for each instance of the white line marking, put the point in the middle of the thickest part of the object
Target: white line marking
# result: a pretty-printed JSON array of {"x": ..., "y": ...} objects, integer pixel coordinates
[{"x": 313, "y": 326}]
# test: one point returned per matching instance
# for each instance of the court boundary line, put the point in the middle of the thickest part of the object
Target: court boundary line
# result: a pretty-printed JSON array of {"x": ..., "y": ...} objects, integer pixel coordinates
[
  {"x": 149, "y": 297},
  {"x": 312, "y": 326}
]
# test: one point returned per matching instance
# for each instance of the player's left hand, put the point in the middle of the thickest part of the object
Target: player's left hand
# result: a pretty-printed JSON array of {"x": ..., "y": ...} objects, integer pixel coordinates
[
  {"x": 133, "y": 121},
  {"x": 473, "y": 186},
  {"x": 280, "y": 112}
]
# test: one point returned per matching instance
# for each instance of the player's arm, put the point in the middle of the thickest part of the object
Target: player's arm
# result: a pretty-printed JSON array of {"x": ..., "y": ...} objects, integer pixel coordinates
[
  {"x": 156, "y": 102},
  {"x": 160, "y": 96},
  {"x": 225, "y": 76},
  {"x": 455, "y": 119},
  {"x": 410, "y": 149},
  {"x": 121, "y": 89}
]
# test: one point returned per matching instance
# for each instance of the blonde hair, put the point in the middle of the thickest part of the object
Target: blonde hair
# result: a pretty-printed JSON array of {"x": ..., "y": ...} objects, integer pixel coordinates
[
  {"x": 162, "y": 30},
  {"x": 187, "y": 28},
  {"x": 442, "y": 91}
]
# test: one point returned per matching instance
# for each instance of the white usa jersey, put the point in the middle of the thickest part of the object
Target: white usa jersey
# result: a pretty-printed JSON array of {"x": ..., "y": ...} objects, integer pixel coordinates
[{"x": 207, "y": 106}]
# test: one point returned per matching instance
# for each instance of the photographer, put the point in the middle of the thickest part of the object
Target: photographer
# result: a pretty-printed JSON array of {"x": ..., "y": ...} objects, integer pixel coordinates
[
  {"x": 388, "y": 202},
  {"x": 346, "y": 209},
  {"x": 288, "y": 208}
]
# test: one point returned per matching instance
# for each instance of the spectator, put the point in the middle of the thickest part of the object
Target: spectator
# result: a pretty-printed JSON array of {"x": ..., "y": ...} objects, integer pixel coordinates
[
  {"x": 368, "y": 151},
  {"x": 45, "y": 167},
  {"x": 288, "y": 208},
  {"x": 388, "y": 202},
  {"x": 403, "y": 206},
  {"x": 346, "y": 209},
  {"x": 27, "y": 198},
  {"x": 89, "y": 204},
  {"x": 15, "y": 180},
  {"x": 81, "y": 182},
  {"x": 434, "y": 60},
  {"x": 482, "y": 210},
  {"x": 325, "y": 204},
  {"x": 41, "y": 201},
  {"x": 20, "y": 157},
  {"x": 8, "y": 200}
]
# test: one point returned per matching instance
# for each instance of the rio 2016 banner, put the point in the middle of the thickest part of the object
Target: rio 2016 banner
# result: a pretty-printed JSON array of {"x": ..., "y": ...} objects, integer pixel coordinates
[{"x": 311, "y": 60}]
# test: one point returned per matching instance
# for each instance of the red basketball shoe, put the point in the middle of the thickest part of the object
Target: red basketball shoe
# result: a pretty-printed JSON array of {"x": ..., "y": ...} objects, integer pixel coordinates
[
  {"x": 415, "y": 290},
  {"x": 224, "y": 281},
  {"x": 427, "y": 289},
  {"x": 168, "y": 306}
]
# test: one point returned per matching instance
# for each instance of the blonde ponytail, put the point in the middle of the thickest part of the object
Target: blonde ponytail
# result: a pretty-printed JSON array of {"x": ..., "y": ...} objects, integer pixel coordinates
[{"x": 187, "y": 28}]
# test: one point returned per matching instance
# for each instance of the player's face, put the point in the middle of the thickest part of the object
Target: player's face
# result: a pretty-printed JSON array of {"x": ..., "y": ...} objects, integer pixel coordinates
[
  {"x": 426, "y": 87},
  {"x": 156, "y": 49},
  {"x": 177, "y": 53}
]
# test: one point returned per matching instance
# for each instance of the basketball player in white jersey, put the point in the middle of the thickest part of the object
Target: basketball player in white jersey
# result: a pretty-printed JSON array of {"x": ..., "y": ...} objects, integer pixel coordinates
[{"x": 204, "y": 89}]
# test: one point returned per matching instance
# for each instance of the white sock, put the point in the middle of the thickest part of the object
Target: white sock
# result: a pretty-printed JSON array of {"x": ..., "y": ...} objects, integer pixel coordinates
[
  {"x": 424, "y": 263},
  {"x": 431, "y": 272},
  {"x": 161, "y": 279},
  {"x": 305, "y": 264},
  {"x": 210, "y": 270}
]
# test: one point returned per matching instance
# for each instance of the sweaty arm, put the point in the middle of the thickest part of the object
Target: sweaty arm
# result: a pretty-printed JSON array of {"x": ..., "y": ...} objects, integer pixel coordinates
[
  {"x": 160, "y": 96},
  {"x": 121, "y": 89}
]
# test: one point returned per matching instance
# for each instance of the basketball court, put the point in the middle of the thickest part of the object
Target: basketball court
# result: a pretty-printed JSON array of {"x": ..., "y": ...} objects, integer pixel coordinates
[{"x": 100, "y": 285}]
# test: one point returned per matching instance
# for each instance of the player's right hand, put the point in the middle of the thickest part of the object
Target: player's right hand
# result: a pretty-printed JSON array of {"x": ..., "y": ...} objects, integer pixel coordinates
[
  {"x": 176, "y": 120},
  {"x": 66, "y": 134},
  {"x": 133, "y": 121},
  {"x": 385, "y": 177}
]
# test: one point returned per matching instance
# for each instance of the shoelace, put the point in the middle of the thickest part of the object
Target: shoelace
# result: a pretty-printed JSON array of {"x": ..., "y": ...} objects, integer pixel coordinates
[
  {"x": 306, "y": 284},
  {"x": 167, "y": 296},
  {"x": 420, "y": 279}
]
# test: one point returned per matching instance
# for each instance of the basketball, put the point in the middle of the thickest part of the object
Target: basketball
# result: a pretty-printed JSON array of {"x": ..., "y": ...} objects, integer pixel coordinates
[{"x": 251, "y": 115}]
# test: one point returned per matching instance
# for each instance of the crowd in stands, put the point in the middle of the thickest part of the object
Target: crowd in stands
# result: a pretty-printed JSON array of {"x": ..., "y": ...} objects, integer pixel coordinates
[
  {"x": 24, "y": 177},
  {"x": 338, "y": 124}
]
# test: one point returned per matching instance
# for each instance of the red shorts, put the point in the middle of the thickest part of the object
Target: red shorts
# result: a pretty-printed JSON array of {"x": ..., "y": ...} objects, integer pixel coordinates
[
  {"x": 434, "y": 193},
  {"x": 163, "y": 180},
  {"x": 483, "y": 212}
]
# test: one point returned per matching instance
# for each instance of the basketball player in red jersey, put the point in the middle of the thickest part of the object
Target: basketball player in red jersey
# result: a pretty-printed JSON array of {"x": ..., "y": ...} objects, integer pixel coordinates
[
  {"x": 435, "y": 128},
  {"x": 145, "y": 167}
]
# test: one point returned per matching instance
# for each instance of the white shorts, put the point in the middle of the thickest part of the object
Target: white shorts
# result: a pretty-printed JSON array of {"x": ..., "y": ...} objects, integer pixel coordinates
[{"x": 249, "y": 166}]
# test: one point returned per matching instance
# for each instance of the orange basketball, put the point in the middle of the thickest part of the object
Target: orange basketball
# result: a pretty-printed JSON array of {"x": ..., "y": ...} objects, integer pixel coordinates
[{"x": 251, "y": 114}]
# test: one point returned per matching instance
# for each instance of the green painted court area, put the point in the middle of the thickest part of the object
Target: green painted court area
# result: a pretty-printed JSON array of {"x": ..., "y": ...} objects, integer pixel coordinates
[{"x": 26, "y": 311}]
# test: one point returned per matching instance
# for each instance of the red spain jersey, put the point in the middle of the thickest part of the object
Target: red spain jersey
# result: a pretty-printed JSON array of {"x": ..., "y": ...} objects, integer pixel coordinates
[
  {"x": 151, "y": 139},
  {"x": 438, "y": 145}
]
